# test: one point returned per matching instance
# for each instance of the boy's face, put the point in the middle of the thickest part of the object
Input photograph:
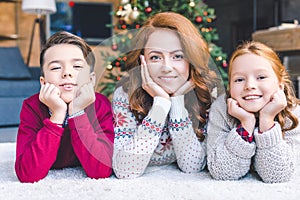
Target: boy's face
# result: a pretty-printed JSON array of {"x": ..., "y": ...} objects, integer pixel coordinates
[{"x": 65, "y": 67}]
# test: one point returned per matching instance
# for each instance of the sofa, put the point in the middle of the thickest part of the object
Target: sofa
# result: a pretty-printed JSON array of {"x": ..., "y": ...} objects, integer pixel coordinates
[{"x": 17, "y": 82}]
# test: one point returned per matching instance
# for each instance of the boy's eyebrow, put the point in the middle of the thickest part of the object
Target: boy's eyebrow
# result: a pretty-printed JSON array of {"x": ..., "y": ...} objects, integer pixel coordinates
[
  {"x": 78, "y": 59},
  {"x": 54, "y": 61},
  {"x": 74, "y": 60}
]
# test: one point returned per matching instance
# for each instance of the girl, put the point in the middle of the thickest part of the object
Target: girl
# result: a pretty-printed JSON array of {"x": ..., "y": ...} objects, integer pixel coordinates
[
  {"x": 259, "y": 126},
  {"x": 160, "y": 109}
]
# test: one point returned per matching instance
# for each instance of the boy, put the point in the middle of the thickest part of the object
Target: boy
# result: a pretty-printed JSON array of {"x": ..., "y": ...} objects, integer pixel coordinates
[{"x": 67, "y": 124}]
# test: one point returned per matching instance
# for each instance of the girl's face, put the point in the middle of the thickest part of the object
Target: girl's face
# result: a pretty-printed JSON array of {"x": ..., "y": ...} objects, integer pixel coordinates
[
  {"x": 252, "y": 82},
  {"x": 65, "y": 67},
  {"x": 165, "y": 60}
]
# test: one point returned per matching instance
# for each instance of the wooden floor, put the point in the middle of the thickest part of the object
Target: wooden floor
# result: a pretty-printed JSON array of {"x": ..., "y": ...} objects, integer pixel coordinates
[{"x": 8, "y": 134}]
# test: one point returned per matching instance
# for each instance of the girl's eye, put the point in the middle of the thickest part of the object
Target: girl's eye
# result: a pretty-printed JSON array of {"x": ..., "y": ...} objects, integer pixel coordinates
[
  {"x": 238, "y": 80},
  {"x": 261, "y": 77}
]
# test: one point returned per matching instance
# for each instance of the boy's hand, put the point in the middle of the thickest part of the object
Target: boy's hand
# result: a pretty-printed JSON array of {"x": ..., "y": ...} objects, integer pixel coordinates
[
  {"x": 152, "y": 88},
  {"x": 84, "y": 97},
  {"x": 246, "y": 118},
  {"x": 267, "y": 114},
  {"x": 50, "y": 96},
  {"x": 185, "y": 88}
]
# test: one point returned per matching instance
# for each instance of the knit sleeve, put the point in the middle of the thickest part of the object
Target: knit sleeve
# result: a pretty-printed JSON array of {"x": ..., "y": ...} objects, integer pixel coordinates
[
  {"x": 277, "y": 156},
  {"x": 135, "y": 143},
  {"x": 274, "y": 157},
  {"x": 37, "y": 139},
  {"x": 228, "y": 155},
  {"x": 190, "y": 152}
]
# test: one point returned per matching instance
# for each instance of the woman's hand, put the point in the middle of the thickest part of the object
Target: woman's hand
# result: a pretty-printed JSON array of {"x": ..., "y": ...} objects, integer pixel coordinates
[
  {"x": 148, "y": 84},
  {"x": 185, "y": 88},
  {"x": 246, "y": 118},
  {"x": 50, "y": 96}
]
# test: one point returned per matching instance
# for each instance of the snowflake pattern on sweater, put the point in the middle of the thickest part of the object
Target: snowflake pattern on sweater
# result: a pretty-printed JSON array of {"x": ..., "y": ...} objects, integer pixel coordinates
[{"x": 165, "y": 136}]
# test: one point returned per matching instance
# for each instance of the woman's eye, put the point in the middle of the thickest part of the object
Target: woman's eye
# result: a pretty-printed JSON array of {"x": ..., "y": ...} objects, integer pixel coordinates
[
  {"x": 178, "y": 57},
  {"x": 155, "y": 58}
]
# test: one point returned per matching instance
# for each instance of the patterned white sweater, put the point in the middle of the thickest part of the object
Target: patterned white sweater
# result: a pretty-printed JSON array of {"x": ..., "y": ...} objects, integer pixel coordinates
[
  {"x": 229, "y": 157},
  {"x": 165, "y": 136}
]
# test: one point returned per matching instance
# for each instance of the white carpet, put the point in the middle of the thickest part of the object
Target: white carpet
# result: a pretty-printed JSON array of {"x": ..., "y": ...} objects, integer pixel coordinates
[{"x": 158, "y": 183}]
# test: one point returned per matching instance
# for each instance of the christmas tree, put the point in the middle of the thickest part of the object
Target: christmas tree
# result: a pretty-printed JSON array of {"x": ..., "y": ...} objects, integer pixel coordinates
[{"x": 132, "y": 14}]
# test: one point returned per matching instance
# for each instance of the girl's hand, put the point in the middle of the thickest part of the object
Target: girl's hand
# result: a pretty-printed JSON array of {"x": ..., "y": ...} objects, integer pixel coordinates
[
  {"x": 50, "y": 96},
  {"x": 148, "y": 84},
  {"x": 246, "y": 118},
  {"x": 185, "y": 88},
  {"x": 84, "y": 97},
  {"x": 268, "y": 113}
]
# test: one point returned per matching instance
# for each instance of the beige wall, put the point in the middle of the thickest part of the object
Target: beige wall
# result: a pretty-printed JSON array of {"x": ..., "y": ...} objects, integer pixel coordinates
[{"x": 8, "y": 23}]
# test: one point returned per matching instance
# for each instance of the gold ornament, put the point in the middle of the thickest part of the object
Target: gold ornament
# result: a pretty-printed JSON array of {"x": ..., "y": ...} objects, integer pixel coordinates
[
  {"x": 192, "y": 3},
  {"x": 124, "y": 1},
  {"x": 130, "y": 36},
  {"x": 120, "y": 12},
  {"x": 127, "y": 10},
  {"x": 134, "y": 14},
  {"x": 109, "y": 67}
]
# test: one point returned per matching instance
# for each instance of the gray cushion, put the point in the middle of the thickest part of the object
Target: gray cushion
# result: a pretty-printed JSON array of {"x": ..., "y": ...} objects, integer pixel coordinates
[
  {"x": 10, "y": 110},
  {"x": 12, "y": 65},
  {"x": 19, "y": 88}
]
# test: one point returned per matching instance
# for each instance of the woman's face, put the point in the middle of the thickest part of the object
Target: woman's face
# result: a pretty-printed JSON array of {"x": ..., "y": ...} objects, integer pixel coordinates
[
  {"x": 166, "y": 60},
  {"x": 252, "y": 81}
]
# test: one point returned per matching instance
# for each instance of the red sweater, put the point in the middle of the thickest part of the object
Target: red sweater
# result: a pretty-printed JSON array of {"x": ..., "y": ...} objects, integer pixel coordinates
[{"x": 86, "y": 141}]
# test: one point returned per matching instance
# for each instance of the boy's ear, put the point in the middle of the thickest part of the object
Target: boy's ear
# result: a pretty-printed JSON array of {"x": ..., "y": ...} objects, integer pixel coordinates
[
  {"x": 42, "y": 80},
  {"x": 93, "y": 78}
]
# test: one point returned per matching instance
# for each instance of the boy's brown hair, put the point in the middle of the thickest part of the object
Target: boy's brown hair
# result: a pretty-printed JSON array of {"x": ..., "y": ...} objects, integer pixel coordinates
[{"x": 63, "y": 37}]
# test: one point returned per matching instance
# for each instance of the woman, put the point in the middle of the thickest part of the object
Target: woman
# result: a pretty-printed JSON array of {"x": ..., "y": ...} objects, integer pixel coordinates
[{"x": 160, "y": 109}]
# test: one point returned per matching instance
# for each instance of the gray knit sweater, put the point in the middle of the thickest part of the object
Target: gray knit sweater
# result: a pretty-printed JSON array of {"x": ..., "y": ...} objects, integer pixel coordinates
[{"x": 229, "y": 157}]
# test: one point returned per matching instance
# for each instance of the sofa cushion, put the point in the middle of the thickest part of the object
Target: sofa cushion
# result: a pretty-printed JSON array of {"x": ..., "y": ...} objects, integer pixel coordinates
[
  {"x": 10, "y": 108},
  {"x": 19, "y": 88},
  {"x": 12, "y": 65}
]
